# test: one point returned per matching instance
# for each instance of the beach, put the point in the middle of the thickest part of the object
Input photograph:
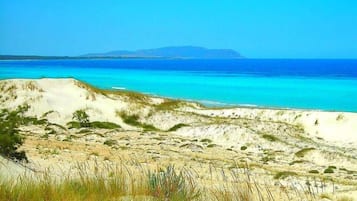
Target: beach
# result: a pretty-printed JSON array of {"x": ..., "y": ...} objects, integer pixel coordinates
[{"x": 279, "y": 147}]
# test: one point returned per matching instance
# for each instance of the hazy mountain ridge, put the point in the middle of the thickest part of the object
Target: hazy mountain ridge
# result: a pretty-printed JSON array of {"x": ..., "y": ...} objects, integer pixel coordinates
[{"x": 172, "y": 52}]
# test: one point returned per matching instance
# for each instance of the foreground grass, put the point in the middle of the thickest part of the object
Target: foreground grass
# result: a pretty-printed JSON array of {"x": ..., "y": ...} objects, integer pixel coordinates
[
  {"x": 113, "y": 183},
  {"x": 107, "y": 182}
]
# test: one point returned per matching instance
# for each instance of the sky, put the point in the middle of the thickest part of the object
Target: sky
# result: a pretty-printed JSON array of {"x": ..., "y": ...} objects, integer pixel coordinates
[{"x": 254, "y": 28}]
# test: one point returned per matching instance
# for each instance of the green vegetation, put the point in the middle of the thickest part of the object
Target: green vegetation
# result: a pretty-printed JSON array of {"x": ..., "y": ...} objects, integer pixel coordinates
[
  {"x": 339, "y": 117},
  {"x": 168, "y": 185},
  {"x": 131, "y": 95},
  {"x": 134, "y": 121},
  {"x": 130, "y": 119},
  {"x": 110, "y": 142},
  {"x": 94, "y": 124},
  {"x": 149, "y": 127},
  {"x": 271, "y": 138},
  {"x": 84, "y": 130},
  {"x": 168, "y": 105},
  {"x": 117, "y": 183},
  {"x": 303, "y": 152},
  {"x": 297, "y": 161},
  {"x": 73, "y": 124},
  {"x": 10, "y": 139},
  {"x": 82, "y": 121},
  {"x": 314, "y": 171},
  {"x": 104, "y": 125},
  {"x": 206, "y": 140},
  {"x": 316, "y": 122},
  {"x": 122, "y": 182},
  {"x": 177, "y": 126},
  {"x": 211, "y": 145},
  {"x": 243, "y": 148},
  {"x": 283, "y": 175},
  {"x": 329, "y": 170},
  {"x": 266, "y": 159},
  {"x": 82, "y": 117},
  {"x": 68, "y": 138},
  {"x": 47, "y": 113}
]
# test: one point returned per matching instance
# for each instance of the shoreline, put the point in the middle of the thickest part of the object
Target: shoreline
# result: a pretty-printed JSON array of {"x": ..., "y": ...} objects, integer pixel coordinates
[{"x": 219, "y": 105}]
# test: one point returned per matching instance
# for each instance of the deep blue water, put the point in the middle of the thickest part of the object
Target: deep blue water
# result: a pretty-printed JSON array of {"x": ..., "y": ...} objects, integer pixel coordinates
[{"x": 307, "y": 84}]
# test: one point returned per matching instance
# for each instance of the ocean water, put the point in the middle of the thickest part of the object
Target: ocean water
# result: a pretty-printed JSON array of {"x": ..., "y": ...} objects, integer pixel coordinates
[{"x": 284, "y": 83}]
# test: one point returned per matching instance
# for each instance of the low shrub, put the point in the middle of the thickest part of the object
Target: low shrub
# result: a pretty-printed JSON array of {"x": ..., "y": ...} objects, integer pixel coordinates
[
  {"x": 314, "y": 171},
  {"x": 110, "y": 142},
  {"x": 271, "y": 138},
  {"x": 283, "y": 175},
  {"x": 328, "y": 171},
  {"x": 10, "y": 139},
  {"x": 169, "y": 185},
  {"x": 304, "y": 151},
  {"x": 73, "y": 124},
  {"x": 177, "y": 126},
  {"x": 134, "y": 121},
  {"x": 94, "y": 124},
  {"x": 82, "y": 117},
  {"x": 206, "y": 140},
  {"x": 104, "y": 125},
  {"x": 211, "y": 145}
]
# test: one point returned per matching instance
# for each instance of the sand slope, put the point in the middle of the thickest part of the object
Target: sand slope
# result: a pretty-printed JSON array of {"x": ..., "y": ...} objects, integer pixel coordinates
[{"x": 270, "y": 140}]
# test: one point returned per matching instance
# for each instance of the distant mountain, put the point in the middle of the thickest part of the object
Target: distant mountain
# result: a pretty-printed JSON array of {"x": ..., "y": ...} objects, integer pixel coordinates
[{"x": 172, "y": 52}]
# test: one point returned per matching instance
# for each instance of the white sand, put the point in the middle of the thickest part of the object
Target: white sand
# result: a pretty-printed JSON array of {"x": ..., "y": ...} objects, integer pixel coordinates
[{"x": 336, "y": 130}]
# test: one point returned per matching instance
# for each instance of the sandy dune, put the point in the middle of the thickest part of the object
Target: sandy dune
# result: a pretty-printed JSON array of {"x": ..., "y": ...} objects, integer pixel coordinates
[{"x": 270, "y": 140}]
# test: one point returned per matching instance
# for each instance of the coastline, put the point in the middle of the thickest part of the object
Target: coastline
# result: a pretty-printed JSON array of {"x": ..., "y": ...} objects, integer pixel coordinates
[{"x": 266, "y": 84}]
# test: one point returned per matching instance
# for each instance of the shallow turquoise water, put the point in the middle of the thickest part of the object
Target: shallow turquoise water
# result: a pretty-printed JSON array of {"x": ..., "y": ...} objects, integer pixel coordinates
[{"x": 241, "y": 84}]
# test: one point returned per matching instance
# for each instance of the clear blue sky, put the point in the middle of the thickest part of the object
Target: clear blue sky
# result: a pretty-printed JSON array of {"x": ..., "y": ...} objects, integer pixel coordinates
[{"x": 255, "y": 28}]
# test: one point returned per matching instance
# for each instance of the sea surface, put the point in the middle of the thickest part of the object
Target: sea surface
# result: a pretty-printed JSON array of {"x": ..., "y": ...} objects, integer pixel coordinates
[{"x": 283, "y": 83}]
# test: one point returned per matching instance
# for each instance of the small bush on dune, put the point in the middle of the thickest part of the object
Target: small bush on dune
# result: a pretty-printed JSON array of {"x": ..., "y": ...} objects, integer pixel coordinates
[
  {"x": 328, "y": 171},
  {"x": 168, "y": 185},
  {"x": 314, "y": 171},
  {"x": 10, "y": 139},
  {"x": 82, "y": 117},
  {"x": 110, "y": 142},
  {"x": 243, "y": 148},
  {"x": 130, "y": 119},
  {"x": 82, "y": 121}
]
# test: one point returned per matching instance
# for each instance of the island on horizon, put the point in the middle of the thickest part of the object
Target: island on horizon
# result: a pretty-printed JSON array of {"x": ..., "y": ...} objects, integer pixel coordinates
[{"x": 171, "y": 52}]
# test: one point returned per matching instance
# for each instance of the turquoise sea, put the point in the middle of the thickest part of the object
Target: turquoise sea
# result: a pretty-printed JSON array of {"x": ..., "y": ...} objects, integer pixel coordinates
[{"x": 285, "y": 83}]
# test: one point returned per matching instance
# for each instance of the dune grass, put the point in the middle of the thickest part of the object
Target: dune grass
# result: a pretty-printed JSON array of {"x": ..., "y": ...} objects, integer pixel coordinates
[
  {"x": 131, "y": 95},
  {"x": 94, "y": 124},
  {"x": 303, "y": 152},
  {"x": 101, "y": 181},
  {"x": 177, "y": 126},
  {"x": 110, "y": 183},
  {"x": 133, "y": 120}
]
